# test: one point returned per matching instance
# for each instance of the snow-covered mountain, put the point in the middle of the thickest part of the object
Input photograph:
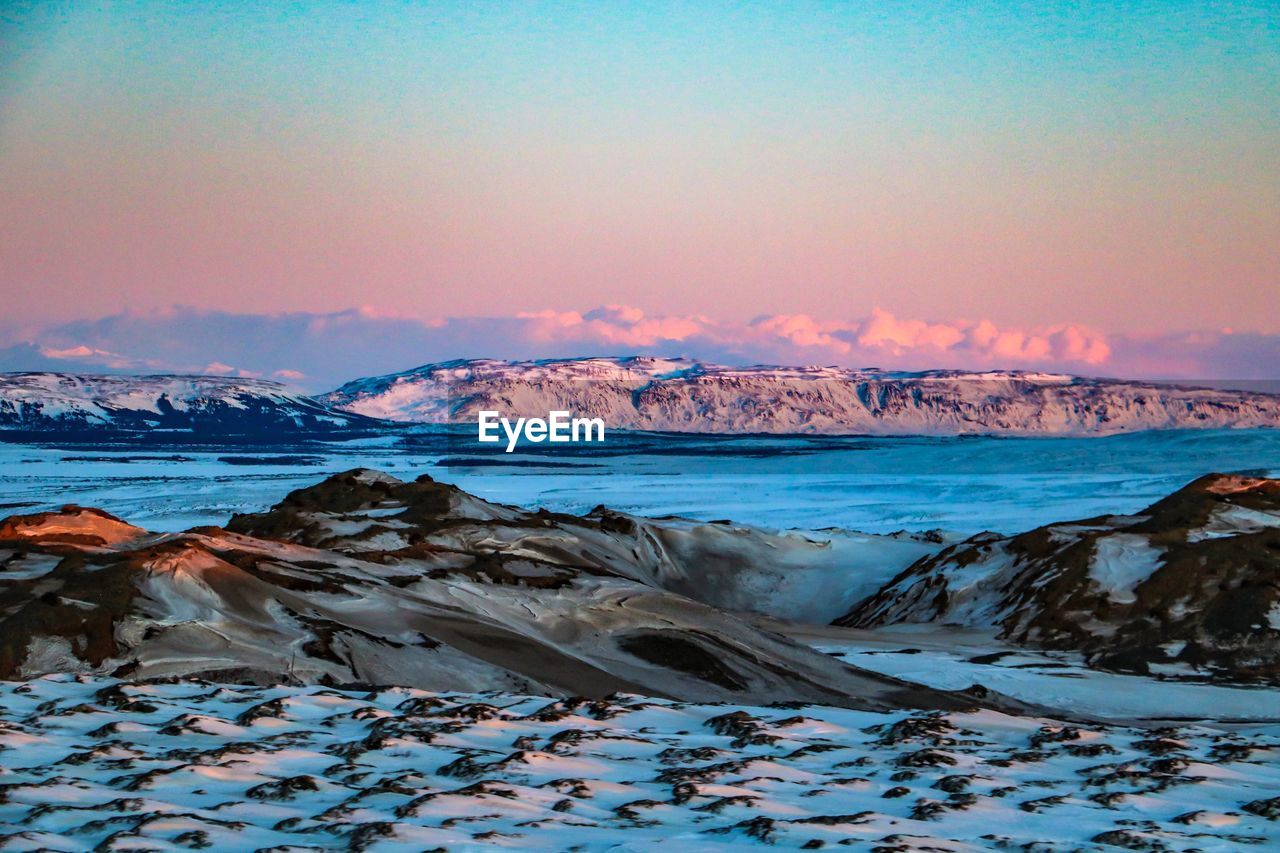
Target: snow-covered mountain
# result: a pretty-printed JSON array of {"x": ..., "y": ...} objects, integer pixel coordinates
[
  {"x": 367, "y": 579},
  {"x": 1193, "y": 581},
  {"x": 69, "y": 403},
  {"x": 688, "y": 396}
]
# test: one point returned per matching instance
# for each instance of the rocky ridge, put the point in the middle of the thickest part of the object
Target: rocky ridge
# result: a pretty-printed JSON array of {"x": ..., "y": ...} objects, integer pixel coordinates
[
  {"x": 1192, "y": 583},
  {"x": 680, "y": 395},
  {"x": 363, "y": 578}
]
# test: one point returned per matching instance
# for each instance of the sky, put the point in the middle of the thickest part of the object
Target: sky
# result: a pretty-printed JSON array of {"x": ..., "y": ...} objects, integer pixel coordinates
[{"x": 1109, "y": 168}]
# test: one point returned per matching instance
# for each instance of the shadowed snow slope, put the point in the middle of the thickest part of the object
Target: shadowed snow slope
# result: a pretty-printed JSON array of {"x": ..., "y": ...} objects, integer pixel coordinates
[
  {"x": 1192, "y": 582},
  {"x": 68, "y": 403},
  {"x": 367, "y": 579},
  {"x": 688, "y": 396}
]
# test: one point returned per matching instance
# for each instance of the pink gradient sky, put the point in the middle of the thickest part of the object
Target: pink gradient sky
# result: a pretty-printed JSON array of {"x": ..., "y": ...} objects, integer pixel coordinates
[{"x": 1109, "y": 169}]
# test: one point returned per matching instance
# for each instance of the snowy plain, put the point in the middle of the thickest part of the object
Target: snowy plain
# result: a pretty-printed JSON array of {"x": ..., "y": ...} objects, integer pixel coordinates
[
  {"x": 877, "y": 485},
  {"x": 96, "y": 764}
]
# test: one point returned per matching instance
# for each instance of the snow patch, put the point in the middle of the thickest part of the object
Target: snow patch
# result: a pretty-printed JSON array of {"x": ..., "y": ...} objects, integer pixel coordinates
[{"x": 1121, "y": 562}]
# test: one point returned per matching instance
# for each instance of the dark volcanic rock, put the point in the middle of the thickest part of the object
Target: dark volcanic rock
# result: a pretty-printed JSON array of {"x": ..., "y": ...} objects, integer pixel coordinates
[
  {"x": 1193, "y": 579},
  {"x": 365, "y": 579}
]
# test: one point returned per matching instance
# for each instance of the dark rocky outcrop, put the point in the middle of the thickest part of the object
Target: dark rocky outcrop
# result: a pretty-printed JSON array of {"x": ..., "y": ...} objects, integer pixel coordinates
[{"x": 1194, "y": 579}]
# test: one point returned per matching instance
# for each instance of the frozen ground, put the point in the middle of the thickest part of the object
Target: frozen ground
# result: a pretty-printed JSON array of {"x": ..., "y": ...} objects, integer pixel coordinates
[
  {"x": 96, "y": 764},
  {"x": 872, "y": 484},
  {"x": 1158, "y": 762},
  {"x": 952, "y": 658}
]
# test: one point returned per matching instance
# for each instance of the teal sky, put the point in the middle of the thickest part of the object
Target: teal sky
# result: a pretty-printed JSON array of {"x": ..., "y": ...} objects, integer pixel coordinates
[{"x": 1116, "y": 164}]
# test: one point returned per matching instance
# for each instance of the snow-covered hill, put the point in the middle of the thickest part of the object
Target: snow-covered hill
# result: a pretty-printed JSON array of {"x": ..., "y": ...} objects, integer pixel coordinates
[
  {"x": 687, "y": 396},
  {"x": 1192, "y": 583},
  {"x": 363, "y": 578},
  {"x": 68, "y": 403}
]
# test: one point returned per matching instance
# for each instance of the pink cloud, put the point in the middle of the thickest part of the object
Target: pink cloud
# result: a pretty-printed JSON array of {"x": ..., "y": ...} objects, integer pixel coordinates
[
  {"x": 326, "y": 349},
  {"x": 883, "y": 330},
  {"x": 1076, "y": 343},
  {"x": 75, "y": 352},
  {"x": 91, "y": 355},
  {"x": 801, "y": 330},
  {"x": 614, "y": 324},
  {"x": 623, "y": 324}
]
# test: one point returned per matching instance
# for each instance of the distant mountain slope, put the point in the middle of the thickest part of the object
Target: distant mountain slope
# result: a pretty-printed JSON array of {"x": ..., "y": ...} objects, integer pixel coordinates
[
  {"x": 687, "y": 396},
  {"x": 364, "y": 578},
  {"x": 1192, "y": 580},
  {"x": 68, "y": 403}
]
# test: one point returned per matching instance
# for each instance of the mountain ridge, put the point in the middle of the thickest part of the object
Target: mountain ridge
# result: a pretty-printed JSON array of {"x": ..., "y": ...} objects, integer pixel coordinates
[
  {"x": 67, "y": 404},
  {"x": 632, "y": 393},
  {"x": 684, "y": 395}
]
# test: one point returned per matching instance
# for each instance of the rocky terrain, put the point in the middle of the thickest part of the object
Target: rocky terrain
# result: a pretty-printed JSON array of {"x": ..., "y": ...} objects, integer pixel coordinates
[
  {"x": 364, "y": 578},
  {"x": 70, "y": 404},
  {"x": 367, "y": 579},
  {"x": 1191, "y": 584},
  {"x": 687, "y": 396},
  {"x": 378, "y": 664},
  {"x": 89, "y": 763}
]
